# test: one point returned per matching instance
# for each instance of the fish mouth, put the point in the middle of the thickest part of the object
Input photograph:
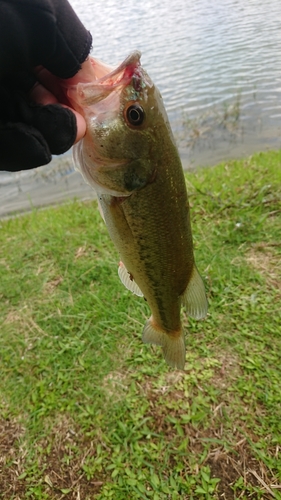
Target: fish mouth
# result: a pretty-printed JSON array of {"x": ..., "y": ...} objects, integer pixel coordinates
[
  {"x": 106, "y": 79},
  {"x": 123, "y": 73}
]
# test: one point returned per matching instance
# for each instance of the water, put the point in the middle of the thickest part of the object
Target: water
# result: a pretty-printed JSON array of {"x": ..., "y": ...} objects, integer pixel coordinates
[
  {"x": 217, "y": 64},
  {"x": 209, "y": 59}
]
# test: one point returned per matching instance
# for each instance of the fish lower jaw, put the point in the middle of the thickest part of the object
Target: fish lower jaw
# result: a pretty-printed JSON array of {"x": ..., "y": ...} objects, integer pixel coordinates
[
  {"x": 104, "y": 191},
  {"x": 117, "y": 200}
]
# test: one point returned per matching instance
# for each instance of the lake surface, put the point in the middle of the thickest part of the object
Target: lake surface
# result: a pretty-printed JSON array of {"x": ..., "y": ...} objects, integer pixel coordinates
[{"x": 217, "y": 65}]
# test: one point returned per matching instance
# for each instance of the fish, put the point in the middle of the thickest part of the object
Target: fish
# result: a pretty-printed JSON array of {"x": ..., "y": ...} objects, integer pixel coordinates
[{"x": 129, "y": 156}]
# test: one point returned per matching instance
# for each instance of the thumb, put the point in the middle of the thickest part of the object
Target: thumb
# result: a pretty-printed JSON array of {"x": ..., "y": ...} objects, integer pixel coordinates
[{"x": 56, "y": 123}]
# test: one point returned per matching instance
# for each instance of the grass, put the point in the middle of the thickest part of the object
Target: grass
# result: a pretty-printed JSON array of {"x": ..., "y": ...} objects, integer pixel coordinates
[{"x": 89, "y": 412}]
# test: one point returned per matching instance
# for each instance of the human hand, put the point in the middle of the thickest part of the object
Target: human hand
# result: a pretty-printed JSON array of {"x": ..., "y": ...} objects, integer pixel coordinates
[
  {"x": 36, "y": 119},
  {"x": 50, "y": 90},
  {"x": 36, "y": 124}
]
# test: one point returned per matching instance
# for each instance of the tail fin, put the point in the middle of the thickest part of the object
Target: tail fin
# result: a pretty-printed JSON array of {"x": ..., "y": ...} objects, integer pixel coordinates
[{"x": 173, "y": 345}]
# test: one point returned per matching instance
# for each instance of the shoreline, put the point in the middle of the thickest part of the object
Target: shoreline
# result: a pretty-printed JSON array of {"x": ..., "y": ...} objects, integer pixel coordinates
[
  {"x": 58, "y": 183},
  {"x": 49, "y": 185}
]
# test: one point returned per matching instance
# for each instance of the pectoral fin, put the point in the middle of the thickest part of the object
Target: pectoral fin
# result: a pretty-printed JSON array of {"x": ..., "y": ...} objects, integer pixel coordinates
[
  {"x": 172, "y": 343},
  {"x": 128, "y": 280},
  {"x": 194, "y": 298}
]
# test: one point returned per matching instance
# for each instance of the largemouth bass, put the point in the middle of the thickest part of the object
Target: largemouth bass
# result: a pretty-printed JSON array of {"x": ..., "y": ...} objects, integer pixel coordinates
[{"x": 130, "y": 158}]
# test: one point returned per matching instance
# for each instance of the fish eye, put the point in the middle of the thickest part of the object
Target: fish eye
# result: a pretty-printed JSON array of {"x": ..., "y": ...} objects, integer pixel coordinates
[{"x": 135, "y": 114}]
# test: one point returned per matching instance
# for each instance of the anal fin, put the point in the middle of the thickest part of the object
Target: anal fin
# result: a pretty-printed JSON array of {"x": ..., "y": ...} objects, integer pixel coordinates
[
  {"x": 194, "y": 298},
  {"x": 128, "y": 280}
]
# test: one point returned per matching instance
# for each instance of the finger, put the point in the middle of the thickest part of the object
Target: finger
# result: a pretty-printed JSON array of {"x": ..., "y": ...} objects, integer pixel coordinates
[
  {"x": 41, "y": 95},
  {"x": 48, "y": 90},
  {"x": 51, "y": 83},
  {"x": 56, "y": 123},
  {"x": 81, "y": 125}
]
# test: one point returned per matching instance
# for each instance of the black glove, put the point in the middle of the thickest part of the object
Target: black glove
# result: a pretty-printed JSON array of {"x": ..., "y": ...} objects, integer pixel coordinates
[
  {"x": 31, "y": 133},
  {"x": 41, "y": 32}
]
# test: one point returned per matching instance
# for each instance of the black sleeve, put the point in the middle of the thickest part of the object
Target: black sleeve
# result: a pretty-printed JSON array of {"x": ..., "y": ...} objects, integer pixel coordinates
[{"x": 41, "y": 32}]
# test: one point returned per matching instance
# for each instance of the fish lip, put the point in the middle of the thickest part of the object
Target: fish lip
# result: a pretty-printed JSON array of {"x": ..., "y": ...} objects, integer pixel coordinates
[
  {"x": 99, "y": 88},
  {"x": 125, "y": 70},
  {"x": 133, "y": 61}
]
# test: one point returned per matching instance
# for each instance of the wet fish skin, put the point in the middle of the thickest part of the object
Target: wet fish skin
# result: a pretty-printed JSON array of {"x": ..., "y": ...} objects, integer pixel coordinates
[{"x": 137, "y": 173}]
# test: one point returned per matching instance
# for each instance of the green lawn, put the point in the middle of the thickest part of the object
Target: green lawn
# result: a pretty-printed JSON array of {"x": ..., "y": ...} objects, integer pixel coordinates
[{"x": 87, "y": 411}]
